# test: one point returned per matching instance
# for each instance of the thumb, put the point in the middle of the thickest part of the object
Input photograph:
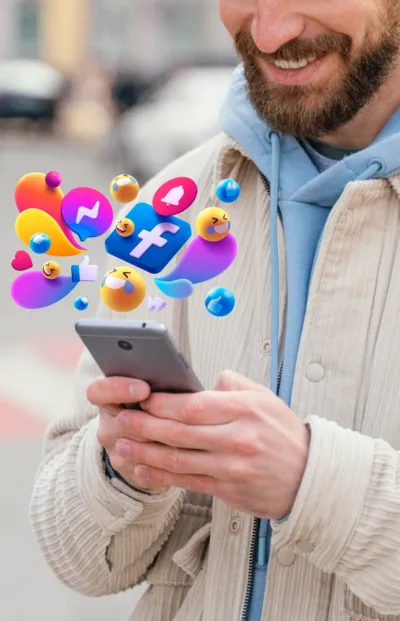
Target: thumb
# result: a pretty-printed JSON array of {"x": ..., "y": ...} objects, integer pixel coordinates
[
  {"x": 229, "y": 380},
  {"x": 85, "y": 261}
]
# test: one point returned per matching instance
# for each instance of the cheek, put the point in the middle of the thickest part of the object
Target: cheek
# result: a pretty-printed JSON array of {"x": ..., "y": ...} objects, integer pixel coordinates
[{"x": 237, "y": 15}]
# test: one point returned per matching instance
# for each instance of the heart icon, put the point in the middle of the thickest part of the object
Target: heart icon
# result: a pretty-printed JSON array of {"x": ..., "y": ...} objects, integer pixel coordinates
[{"x": 22, "y": 261}]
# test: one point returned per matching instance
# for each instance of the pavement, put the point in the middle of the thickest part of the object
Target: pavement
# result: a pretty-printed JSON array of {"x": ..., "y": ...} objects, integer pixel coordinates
[{"x": 38, "y": 354}]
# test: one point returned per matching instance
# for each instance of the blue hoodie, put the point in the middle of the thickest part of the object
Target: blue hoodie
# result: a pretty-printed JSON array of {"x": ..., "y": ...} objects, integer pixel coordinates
[{"x": 304, "y": 198}]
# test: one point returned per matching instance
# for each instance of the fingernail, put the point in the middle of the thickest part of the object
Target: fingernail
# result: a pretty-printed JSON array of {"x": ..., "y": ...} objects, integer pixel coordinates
[
  {"x": 124, "y": 449},
  {"x": 142, "y": 473},
  {"x": 123, "y": 421},
  {"x": 133, "y": 390}
]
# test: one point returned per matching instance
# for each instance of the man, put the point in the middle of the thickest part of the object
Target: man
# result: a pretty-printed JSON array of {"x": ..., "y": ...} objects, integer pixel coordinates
[{"x": 256, "y": 506}]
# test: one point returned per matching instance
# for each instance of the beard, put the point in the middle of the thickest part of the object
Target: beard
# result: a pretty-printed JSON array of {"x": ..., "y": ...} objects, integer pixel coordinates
[{"x": 312, "y": 111}]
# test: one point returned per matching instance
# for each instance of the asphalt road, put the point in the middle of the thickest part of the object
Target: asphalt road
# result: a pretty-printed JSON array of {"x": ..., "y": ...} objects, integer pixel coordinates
[{"x": 28, "y": 357}]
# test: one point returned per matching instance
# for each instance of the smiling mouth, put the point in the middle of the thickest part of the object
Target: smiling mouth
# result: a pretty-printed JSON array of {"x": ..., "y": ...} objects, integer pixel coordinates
[
  {"x": 121, "y": 229},
  {"x": 46, "y": 272},
  {"x": 124, "y": 181},
  {"x": 114, "y": 283},
  {"x": 292, "y": 65},
  {"x": 222, "y": 228}
]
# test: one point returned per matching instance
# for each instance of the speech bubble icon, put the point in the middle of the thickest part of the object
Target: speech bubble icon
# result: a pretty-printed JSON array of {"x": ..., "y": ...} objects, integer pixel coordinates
[{"x": 87, "y": 212}]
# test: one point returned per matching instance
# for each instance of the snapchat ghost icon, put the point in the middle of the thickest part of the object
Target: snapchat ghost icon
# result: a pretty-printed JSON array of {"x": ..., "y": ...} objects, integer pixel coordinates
[
  {"x": 123, "y": 289},
  {"x": 213, "y": 224}
]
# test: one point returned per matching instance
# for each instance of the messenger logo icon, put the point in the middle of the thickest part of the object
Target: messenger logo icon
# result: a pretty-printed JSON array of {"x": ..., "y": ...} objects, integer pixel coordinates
[{"x": 155, "y": 241}]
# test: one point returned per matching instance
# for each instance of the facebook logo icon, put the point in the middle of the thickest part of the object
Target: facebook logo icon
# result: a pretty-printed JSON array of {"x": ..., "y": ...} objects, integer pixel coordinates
[{"x": 154, "y": 242}]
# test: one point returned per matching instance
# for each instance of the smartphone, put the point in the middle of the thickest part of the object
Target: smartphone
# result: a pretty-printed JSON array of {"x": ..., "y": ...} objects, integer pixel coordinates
[{"x": 142, "y": 350}]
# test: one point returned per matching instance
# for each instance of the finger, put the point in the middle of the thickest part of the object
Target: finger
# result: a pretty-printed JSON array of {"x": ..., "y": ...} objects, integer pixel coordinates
[
  {"x": 177, "y": 461},
  {"x": 201, "y": 408},
  {"x": 155, "y": 476},
  {"x": 229, "y": 380},
  {"x": 85, "y": 261},
  {"x": 117, "y": 390},
  {"x": 141, "y": 425}
]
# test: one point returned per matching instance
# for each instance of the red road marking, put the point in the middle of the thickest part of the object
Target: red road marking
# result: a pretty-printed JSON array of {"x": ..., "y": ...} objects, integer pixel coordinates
[
  {"x": 62, "y": 352},
  {"x": 16, "y": 423}
]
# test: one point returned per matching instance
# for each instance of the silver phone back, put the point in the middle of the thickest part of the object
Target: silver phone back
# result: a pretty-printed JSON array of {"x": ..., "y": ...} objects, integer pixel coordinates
[{"x": 139, "y": 349}]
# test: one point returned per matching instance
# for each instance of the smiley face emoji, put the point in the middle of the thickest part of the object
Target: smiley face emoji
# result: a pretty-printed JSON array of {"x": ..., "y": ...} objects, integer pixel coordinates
[
  {"x": 124, "y": 188},
  {"x": 51, "y": 270},
  {"x": 125, "y": 227},
  {"x": 123, "y": 289},
  {"x": 213, "y": 224}
]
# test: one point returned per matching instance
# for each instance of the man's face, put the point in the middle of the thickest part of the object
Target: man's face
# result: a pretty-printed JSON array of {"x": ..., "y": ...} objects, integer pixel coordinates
[{"x": 311, "y": 65}]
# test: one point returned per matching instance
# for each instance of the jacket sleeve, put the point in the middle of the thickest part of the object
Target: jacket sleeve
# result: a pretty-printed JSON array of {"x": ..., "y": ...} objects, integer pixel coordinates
[
  {"x": 348, "y": 512},
  {"x": 98, "y": 535}
]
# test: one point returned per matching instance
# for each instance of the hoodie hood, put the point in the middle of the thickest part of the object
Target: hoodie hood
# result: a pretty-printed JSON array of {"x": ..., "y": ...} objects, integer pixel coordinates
[
  {"x": 299, "y": 179},
  {"x": 295, "y": 182}
]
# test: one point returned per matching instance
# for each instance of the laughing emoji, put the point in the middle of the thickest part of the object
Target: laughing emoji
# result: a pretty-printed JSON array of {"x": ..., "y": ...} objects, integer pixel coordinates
[
  {"x": 123, "y": 289},
  {"x": 124, "y": 188},
  {"x": 213, "y": 224},
  {"x": 125, "y": 227},
  {"x": 51, "y": 270}
]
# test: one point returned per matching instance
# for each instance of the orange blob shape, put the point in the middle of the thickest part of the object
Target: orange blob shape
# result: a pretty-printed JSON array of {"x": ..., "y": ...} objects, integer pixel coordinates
[{"x": 32, "y": 192}]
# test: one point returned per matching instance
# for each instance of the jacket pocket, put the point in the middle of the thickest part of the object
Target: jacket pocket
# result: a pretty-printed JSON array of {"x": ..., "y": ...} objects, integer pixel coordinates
[
  {"x": 356, "y": 610},
  {"x": 182, "y": 557}
]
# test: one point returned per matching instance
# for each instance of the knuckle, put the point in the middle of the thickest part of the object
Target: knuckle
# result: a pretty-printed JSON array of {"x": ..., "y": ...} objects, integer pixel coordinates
[
  {"x": 225, "y": 380},
  {"x": 236, "y": 472},
  {"x": 92, "y": 391},
  {"x": 194, "y": 407},
  {"x": 118, "y": 463},
  {"x": 245, "y": 444},
  {"x": 178, "y": 434},
  {"x": 173, "y": 461},
  {"x": 102, "y": 436}
]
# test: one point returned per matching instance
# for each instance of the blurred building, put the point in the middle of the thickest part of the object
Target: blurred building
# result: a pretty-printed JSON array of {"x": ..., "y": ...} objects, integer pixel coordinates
[
  {"x": 150, "y": 35},
  {"x": 19, "y": 31},
  {"x": 138, "y": 35}
]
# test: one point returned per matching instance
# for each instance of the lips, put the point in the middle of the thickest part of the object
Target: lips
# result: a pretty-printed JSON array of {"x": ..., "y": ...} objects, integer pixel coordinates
[
  {"x": 121, "y": 229},
  {"x": 48, "y": 273}
]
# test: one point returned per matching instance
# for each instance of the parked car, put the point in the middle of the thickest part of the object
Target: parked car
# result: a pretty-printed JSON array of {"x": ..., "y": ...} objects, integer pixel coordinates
[
  {"x": 179, "y": 116},
  {"x": 29, "y": 89},
  {"x": 128, "y": 89}
]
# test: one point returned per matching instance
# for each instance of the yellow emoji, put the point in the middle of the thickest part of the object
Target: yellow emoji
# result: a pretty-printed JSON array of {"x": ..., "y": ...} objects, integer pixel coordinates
[
  {"x": 123, "y": 289},
  {"x": 51, "y": 270},
  {"x": 124, "y": 188},
  {"x": 213, "y": 224},
  {"x": 125, "y": 227}
]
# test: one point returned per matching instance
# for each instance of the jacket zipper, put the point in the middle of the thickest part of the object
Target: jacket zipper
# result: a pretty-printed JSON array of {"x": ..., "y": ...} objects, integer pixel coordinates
[{"x": 257, "y": 521}]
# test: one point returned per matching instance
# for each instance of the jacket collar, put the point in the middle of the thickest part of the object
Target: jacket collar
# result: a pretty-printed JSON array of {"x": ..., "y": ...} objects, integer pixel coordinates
[{"x": 231, "y": 154}]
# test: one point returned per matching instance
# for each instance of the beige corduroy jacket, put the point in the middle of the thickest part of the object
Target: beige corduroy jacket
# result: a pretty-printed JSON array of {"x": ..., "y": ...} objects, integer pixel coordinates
[{"x": 337, "y": 558}]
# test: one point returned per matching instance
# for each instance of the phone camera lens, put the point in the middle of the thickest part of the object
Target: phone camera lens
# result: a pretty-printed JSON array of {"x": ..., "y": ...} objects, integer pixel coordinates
[{"x": 125, "y": 345}]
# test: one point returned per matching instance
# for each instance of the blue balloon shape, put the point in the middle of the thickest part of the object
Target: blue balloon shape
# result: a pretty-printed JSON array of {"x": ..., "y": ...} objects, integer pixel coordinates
[
  {"x": 228, "y": 191},
  {"x": 220, "y": 302},
  {"x": 40, "y": 243}
]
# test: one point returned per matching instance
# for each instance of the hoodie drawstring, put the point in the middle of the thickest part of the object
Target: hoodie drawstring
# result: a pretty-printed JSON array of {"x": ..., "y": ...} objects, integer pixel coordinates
[{"x": 274, "y": 205}]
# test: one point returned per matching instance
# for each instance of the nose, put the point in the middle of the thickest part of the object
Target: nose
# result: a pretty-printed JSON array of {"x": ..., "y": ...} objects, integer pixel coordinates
[{"x": 275, "y": 23}]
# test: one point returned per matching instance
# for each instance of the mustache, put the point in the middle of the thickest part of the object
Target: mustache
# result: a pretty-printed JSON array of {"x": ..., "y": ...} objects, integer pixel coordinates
[{"x": 296, "y": 49}]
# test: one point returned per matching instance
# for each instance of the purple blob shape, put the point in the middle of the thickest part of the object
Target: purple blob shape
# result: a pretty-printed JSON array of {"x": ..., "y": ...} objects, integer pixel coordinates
[
  {"x": 32, "y": 290},
  {"x": 87, "y": 212},
  {"x": 53, "y": 179},
  {"x": 203, "y": 260}
]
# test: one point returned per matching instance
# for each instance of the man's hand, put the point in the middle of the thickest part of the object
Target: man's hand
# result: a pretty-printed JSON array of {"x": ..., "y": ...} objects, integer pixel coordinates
[
  {"x": 108, "y": 394},
  {"x": 239, "y": 443}
]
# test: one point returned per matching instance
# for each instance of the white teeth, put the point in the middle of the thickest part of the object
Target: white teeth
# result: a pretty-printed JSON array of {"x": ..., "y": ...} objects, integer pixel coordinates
[
  {"x": 291, "y": 64},
  {"x": 222, "y": 228}
]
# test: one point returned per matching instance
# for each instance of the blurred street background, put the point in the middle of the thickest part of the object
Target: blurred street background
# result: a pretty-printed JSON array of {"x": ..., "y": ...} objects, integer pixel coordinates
[{"x": 92, "y": 89}]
